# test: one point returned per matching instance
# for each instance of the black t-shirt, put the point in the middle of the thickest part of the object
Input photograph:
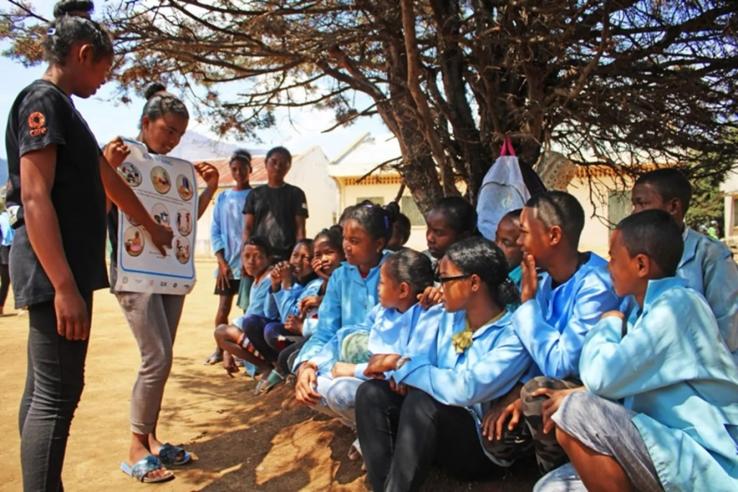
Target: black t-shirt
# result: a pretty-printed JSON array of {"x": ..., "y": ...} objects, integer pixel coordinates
[
  {"x": 274, "y": 211},
  {"x": 44, "y": 115}
]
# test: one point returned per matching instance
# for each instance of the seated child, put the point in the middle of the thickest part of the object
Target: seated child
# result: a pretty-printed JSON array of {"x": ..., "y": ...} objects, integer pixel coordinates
[
  {"x": 506, "y": 238},
  {"x": 706, "y": 264},
  {"x": 450, "y": 220},
  {"x": 352, "y": 289},
  {"x": 301, "y": 318},
  {"x": 558, "y": 309},
  {"x": 398, "y": 324},
  {"x": 658, "y": 410},
  {"x": 431, "y": 410},
  {"x": 400, "y": 231},
  {"x": 232, "y": 338}
]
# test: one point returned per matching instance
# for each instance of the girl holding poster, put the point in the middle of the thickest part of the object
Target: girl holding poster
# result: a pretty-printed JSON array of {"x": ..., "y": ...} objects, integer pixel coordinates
[{"x": 154, "y": 317}]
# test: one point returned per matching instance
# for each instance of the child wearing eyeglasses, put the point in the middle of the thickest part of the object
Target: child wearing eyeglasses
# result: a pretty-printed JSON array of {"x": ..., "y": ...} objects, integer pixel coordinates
[{"x": 431, "y": 411}]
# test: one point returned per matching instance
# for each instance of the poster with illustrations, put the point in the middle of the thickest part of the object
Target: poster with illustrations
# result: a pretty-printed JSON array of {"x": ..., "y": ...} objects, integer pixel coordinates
[{"x": 167, "y": 188}]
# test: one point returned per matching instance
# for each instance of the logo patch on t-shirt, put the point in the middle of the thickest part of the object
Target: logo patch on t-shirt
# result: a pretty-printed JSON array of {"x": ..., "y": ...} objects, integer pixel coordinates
[{"x": 36, "y": 124}]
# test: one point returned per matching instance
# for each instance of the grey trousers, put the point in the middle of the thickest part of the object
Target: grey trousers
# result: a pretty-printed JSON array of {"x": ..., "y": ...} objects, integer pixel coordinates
[
  {"x": 606, "y": 428},
  {"x": 153, "y": 319}
]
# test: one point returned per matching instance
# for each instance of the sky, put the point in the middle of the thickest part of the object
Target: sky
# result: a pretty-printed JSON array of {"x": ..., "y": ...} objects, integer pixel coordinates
[{"x": 108, "y": 117}]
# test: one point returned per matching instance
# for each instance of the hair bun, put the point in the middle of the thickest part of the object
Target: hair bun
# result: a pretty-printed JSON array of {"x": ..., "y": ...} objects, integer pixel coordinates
[
  {"x": 507, "y": 293},
  {"x": 154, "y": 89},
  {"x": 73, "y": 7},
  {"x": 392, "y": 209}
]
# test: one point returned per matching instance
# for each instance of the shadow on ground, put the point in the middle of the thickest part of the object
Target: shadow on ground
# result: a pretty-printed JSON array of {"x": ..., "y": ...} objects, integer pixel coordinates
[{"x": 277, "y": 445}]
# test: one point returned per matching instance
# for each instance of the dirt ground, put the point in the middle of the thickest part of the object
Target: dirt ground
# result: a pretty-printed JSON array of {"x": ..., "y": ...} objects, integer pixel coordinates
[{"x": 243, "y": 442}]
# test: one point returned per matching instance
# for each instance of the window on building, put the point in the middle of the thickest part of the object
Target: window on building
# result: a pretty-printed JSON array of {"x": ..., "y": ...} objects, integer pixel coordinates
[
  {"x": 618, "y": 207},
  {"x": 409, "y": 208},
  {"x": 735, "y": 215}
]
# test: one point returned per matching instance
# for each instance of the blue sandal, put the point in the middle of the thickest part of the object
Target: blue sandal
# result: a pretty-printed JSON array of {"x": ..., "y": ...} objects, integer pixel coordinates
[
  {"x": 143, "y": 467},
  {"x": 169, "y": 453},
  {"x": 268, "y": 383}
]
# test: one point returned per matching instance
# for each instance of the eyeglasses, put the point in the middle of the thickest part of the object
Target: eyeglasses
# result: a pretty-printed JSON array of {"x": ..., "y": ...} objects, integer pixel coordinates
[{"x": 443, "y": 280}]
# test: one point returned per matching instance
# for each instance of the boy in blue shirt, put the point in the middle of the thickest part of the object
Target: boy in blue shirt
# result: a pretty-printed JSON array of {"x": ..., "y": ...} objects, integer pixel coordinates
[
  {"x": 706, "y": 264},
  {"x": 658, "y": 410},
  {"x": 226, "y": 233},
  {"x": 558, "y": 308}
]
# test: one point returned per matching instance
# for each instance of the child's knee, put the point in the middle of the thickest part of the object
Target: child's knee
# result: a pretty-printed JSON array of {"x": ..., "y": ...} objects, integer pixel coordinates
[
  {"x": 271, "y": 335},
  {"x": 370, "y": 392},
  {"x": 532, "y": 405},
  {"x": 342, "y": 393},
  {"x": 220, "y": 332}
]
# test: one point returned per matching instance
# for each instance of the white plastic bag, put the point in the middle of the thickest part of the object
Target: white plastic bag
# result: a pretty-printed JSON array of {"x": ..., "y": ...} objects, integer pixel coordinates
[{"x": 502, "y": 190}]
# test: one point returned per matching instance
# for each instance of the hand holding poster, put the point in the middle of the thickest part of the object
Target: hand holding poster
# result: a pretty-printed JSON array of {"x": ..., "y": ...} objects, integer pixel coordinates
[{"x": 166, "y": 186}]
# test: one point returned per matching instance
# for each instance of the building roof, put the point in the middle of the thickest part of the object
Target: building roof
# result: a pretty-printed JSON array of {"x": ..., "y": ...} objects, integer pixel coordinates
[{"x": 364, "y": 155}]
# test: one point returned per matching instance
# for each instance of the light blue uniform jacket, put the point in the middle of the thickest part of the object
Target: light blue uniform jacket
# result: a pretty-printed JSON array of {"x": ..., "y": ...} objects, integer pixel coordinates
[
  {"x": 288, "y": 300},
  {"x": 486, "y": 370},
  {"x": 553, "y": 325},
  {"x": 390, "y": 332},
  {"x": 708, "y": 267},
  {"x": 226, "y": 230},
  {"x": 347, "y": 301},
  {"x": 682, "y": 385},
  {"x": 260, "y": 299}
]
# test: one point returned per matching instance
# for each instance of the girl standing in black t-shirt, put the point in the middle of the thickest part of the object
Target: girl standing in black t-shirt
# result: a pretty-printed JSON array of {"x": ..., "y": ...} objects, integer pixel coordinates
[
  {"x": 60, "y": 182},
  {"x": 153, "y": 318}
]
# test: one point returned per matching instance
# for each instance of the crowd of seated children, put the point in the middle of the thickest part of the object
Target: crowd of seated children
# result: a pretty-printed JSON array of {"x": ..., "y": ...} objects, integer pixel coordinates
[
  {"x": 397, "y": 323},
  {"x": 558, "y": 308},
  {"x": 299, "y": 307},
  {"x": 658, "y": 408},
  {"x": 525, "y": 346},
  {"x": 351, "y": 291},
  {"x": 290, "y": 280}
]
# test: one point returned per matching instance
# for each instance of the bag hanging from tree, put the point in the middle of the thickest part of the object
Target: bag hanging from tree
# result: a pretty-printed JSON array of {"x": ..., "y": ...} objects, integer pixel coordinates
[{"x": 505, "y": 187}]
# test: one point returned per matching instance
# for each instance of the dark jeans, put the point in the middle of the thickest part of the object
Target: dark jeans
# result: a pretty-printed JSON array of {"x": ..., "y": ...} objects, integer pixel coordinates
[
  {"x": 401, "y": 437},
  {"x": 272, "y": 332},
  {"x": 288, "y": 355},
  {"x": 4, "y": 274},
  {"x": 54, "y": 384},
  {"x": 254, "y": 326}
]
